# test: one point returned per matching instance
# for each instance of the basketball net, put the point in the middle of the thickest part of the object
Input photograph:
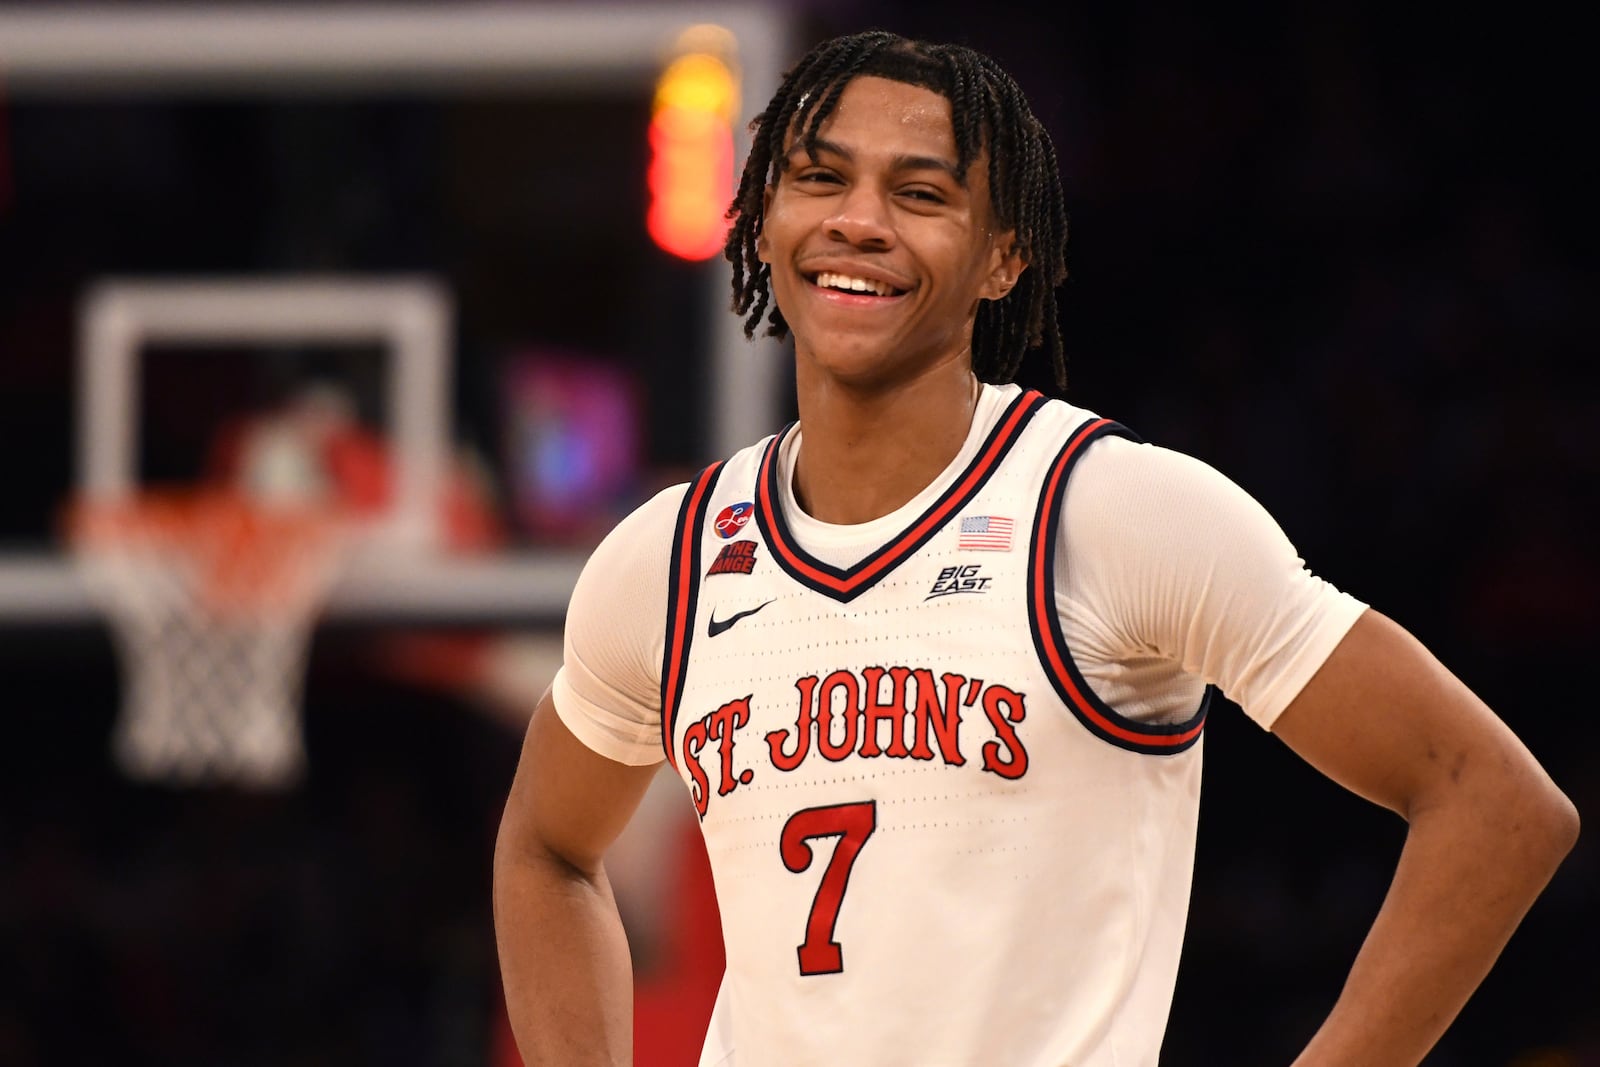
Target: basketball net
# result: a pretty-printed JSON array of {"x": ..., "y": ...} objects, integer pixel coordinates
[{"x": 212, "y": 594}]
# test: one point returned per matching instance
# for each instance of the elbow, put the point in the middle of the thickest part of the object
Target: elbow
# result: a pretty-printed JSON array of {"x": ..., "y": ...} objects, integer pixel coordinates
[
  {"x": 1547, "y": 826},
  {"x": 1522, "y": 818},
  {"x": 1563, "y": 824}
]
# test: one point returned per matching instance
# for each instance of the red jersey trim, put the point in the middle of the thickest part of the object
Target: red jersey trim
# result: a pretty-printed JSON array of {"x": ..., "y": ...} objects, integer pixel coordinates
[
  {"x": 845, "y": 584},
  {"x": 1098, "y": 716},
  {"x": 682, "y": 584}
]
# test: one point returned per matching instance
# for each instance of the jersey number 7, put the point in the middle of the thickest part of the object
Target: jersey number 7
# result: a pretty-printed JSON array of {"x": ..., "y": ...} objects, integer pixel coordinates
[{"x": 820, "y": 953}]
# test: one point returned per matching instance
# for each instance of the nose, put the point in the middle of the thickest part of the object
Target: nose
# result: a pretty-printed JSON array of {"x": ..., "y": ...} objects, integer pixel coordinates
[{"x": 862, "y": 219}]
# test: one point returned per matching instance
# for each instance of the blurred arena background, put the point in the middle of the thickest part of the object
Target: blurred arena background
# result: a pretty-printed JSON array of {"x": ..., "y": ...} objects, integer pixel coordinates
[{"x": 1344, "y": 254}]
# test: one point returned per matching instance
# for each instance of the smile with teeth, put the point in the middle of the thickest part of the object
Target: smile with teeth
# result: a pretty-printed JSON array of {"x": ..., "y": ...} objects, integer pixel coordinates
[{"x": 845, "y": 283}]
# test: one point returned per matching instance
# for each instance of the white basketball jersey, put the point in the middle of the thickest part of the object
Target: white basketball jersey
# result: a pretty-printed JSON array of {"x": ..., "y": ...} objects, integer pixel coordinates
[{"x": 932, "y": 843}]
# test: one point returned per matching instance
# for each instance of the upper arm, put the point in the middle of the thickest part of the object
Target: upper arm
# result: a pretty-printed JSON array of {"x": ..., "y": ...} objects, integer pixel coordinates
[
  {"x": 1388, "y": 721},
  {"x": 567, "y": 801},
  {"x": 584, "y": 768}
]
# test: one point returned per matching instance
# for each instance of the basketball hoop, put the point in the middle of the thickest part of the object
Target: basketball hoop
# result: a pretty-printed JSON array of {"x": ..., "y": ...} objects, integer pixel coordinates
[{"x": 211, "y": 595}]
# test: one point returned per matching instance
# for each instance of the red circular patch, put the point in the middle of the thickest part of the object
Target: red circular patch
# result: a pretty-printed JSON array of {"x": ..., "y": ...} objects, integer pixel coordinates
[{"x": 733, "y": 518}]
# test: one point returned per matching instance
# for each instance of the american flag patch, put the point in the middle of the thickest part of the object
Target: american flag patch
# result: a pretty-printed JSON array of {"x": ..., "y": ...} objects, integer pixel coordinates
[{"x": 985, "y": 533}]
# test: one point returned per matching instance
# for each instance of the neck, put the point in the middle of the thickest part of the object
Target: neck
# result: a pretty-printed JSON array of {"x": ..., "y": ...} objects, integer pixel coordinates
[{"x": 866, "y": 451}]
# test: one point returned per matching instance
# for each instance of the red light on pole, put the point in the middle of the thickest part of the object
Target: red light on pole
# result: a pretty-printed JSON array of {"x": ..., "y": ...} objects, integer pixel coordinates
[{"x": 690, "y": 177}]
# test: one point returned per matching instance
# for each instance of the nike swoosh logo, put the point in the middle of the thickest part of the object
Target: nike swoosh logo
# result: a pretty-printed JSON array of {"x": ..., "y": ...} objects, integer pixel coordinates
[{"x": 713, "y": 627}]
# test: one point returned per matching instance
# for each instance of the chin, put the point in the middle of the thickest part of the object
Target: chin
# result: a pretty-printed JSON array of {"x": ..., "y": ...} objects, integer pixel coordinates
[
  {"x": 861, "y": 368},
  {"x": 864, "y": 365}
]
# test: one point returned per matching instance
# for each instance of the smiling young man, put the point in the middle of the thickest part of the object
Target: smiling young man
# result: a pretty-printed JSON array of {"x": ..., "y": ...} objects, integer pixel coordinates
[{"x": 933, "y": 662}]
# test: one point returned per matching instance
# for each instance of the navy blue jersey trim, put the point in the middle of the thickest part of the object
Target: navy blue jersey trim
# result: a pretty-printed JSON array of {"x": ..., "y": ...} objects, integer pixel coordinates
[
  {"x": 1044, "y": 621},
  {"x": 847, "y": 583},
  {"x": 683, "y": 584}
]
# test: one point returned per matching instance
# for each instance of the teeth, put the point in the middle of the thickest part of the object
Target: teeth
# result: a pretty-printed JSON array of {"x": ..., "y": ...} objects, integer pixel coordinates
[{"x": 854, "y": 285}]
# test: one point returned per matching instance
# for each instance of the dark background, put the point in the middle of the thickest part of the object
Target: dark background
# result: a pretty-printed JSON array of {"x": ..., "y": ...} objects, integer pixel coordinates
[{"x": 1343, "y": 254}]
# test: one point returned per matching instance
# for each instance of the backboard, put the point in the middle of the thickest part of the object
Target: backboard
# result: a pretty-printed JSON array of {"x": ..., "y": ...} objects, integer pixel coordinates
[{"x": 480, "y": 60}]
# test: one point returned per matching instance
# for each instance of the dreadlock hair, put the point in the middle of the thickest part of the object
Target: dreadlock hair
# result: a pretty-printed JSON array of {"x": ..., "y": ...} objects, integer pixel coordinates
[{"x": 988, "y": 110}]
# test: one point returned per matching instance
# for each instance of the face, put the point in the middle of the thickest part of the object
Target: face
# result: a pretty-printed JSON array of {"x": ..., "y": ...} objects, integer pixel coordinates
[{"x": 880, "y": 250}]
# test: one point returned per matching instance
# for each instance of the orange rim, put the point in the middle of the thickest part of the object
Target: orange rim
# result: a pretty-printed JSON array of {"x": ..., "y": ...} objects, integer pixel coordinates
[{"x": 247, "y": 557}]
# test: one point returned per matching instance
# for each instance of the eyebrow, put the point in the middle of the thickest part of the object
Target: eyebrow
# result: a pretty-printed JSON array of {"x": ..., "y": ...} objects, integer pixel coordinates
[{"x": 898, "y": 163}]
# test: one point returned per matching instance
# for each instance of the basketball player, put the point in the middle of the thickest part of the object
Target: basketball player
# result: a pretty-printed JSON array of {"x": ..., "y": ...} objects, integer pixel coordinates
[{"x": 933, "y": 662}]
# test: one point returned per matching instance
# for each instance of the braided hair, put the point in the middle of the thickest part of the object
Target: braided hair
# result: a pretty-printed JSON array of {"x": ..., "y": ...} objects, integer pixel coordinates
[{"x": 988, "y": 111}]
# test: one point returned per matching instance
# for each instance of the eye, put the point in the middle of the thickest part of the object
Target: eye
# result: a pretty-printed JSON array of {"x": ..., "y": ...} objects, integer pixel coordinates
[
  {"x": 816, "y": 176},
  {"x": 924, "y": 194}
]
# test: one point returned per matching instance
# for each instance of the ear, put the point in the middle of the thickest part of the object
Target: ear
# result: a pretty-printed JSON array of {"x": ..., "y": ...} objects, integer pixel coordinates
[
  {"x": 1006, "y": 265},
  {"x": 761, "y": 235}
]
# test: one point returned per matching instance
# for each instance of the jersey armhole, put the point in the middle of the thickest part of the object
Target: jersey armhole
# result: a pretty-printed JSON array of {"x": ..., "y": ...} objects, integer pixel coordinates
[
  {"x": 683, "y": 584},
  {"x": 1044, "y": 622}
]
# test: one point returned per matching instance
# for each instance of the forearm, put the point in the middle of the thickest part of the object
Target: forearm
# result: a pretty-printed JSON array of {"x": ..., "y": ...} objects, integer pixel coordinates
[
  {"x": 1466, "y": 877},
  {"x": 563, "y": 961}
]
